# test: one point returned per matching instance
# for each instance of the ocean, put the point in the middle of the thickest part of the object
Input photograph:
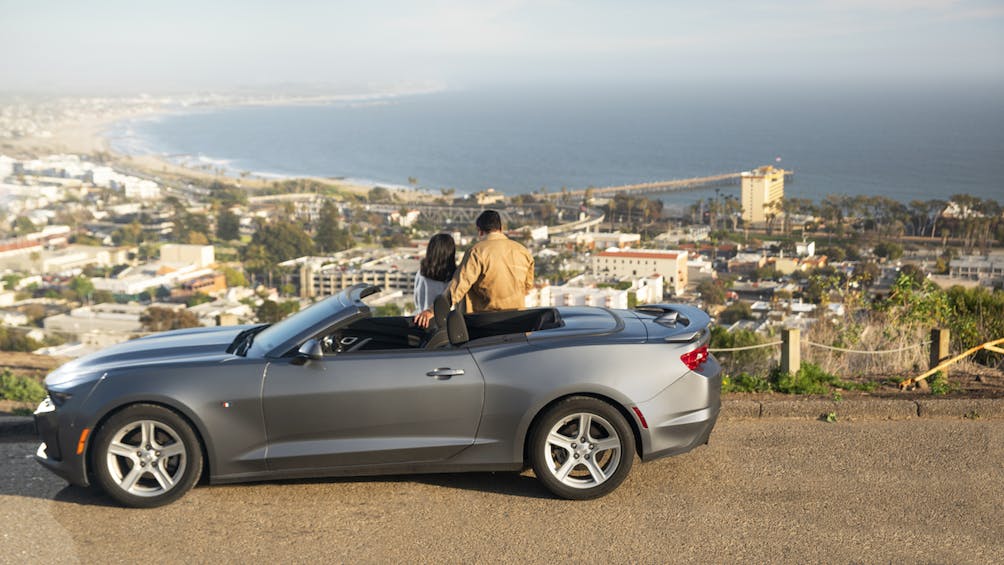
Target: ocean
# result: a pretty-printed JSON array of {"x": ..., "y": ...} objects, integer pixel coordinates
[{"x": 906, "y": 144}]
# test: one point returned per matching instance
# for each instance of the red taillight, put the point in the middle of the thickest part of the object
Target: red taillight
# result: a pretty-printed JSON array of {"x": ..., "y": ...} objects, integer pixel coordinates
[{"x": 694, "y": 359}]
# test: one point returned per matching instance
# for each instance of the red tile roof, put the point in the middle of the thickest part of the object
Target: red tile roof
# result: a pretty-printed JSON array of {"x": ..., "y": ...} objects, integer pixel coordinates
[{"x": 639, "y": 255}]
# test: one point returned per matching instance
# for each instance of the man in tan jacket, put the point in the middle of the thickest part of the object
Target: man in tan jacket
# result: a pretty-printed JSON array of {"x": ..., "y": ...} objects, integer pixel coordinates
[{"x": 495, "y": 274}]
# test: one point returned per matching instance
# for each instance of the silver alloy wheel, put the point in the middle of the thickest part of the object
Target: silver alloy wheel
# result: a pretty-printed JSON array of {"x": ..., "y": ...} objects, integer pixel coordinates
[
  {"x": 146, "y": 458},
  {"x": 582, "y": 450}
]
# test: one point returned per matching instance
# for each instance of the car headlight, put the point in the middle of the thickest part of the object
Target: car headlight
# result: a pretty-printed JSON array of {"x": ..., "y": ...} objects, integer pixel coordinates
[{"x": 59, "y": 398}]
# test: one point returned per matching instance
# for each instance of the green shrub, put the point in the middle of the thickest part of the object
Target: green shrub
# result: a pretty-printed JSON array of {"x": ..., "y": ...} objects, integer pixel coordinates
[
  {"x": 20, "y": 389},
  {"x": 809, "y": 379},
  {"x": 745, "y": 382},
  {"x": 940, "y": 385}
]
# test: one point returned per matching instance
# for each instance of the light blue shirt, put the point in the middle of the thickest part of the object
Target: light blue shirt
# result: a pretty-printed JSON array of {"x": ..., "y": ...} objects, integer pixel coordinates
[{"x": 426, "y": 291}]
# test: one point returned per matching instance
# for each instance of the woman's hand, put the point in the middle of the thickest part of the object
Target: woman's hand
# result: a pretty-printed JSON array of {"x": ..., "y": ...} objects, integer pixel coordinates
[{"x": 422, "y": 318}]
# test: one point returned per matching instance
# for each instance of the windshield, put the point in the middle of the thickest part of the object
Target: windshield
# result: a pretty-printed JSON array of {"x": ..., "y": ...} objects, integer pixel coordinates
[{"x": 312, "y": 316}]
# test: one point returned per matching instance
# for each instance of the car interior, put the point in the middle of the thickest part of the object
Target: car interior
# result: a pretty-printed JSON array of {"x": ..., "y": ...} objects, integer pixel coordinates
[{"x": 447, "y": 329}]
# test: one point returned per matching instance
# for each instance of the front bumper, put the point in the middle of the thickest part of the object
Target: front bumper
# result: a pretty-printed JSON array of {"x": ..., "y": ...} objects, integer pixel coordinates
[
  {"x": 682, "y": 416},
  {"x": 58, "y": 451}
]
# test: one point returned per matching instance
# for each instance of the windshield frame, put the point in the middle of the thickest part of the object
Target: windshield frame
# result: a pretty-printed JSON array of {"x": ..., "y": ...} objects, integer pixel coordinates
[{"x": 281, "y": 338}]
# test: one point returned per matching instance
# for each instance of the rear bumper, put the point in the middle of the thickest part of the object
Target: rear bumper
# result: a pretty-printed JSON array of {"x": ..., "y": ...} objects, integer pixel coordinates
[{"x": 682, "y": 416}]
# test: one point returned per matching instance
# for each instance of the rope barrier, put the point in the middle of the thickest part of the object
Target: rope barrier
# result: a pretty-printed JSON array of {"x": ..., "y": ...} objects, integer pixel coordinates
[
  {"x": 813, "y": 344},
  {"x": 722, "y": 350},
  {"x": 863, "y": 352}
]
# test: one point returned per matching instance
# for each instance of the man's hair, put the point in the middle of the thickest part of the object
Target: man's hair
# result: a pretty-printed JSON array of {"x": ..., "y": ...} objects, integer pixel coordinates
[{"x": 489, "y": 221}]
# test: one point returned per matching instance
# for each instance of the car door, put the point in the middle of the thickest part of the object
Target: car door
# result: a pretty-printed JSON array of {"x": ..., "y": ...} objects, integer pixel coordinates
[{"x": 371, "y": 408}]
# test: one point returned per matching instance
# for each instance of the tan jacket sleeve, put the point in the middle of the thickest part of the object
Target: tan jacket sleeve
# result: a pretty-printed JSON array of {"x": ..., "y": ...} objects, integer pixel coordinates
[
  {"x": 529, "y": 273},
  {"x": 467, "y": 274}
]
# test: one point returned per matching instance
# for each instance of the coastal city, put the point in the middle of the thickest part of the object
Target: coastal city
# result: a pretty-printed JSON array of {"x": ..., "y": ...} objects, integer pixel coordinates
[
  {"x": 99, "y": 248},
  {"x": 502, "y": 282}
]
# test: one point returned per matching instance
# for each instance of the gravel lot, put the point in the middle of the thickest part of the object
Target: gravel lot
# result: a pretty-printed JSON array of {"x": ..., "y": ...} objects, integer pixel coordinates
[{"x": 772, "y": 490}]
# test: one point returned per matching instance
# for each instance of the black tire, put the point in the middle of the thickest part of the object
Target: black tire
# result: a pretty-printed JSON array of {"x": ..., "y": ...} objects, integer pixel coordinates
[
  {"x": 578, "y": 470},
  {"x": 146, "y": 456}
]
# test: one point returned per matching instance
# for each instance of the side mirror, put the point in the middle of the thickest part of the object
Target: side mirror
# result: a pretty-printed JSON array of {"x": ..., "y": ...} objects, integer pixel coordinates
[{"x": 311, "y": 349}]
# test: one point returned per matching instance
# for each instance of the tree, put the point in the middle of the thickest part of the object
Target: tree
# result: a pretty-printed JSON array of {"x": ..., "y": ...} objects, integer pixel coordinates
[
  {"x": 280, "y": 242},
  {"x": 916, "y": 275},
  {"x": 197, "y": 238},
  {"x": 736, "y": 311},
  {"x": 228, "y": 226},
  {"x": 888, "y": 250},
  {"x": 332, "y": 237},
  {"x": 712, "y": 292},
  {"x": 23, "y": 226},
  {"x": 866, "y": 273},
  {"x": 157, "y": 319},
  {"x": 82, "y": 287},
  {"x": 234, "y": 277},
  {"x": 271, "y": 312},
  {"x": 388, "y": 310},
  {"x": 379, "y": 194}
]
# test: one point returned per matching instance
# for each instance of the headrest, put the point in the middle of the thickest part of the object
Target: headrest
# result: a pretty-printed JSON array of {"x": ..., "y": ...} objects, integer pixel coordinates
[
  {"x": 456, "y": 328},
  {"x": 440, "y": 310}
]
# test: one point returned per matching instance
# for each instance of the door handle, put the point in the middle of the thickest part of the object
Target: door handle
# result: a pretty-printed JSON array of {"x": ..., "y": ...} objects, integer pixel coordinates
[{"x": 444, "y": 373}]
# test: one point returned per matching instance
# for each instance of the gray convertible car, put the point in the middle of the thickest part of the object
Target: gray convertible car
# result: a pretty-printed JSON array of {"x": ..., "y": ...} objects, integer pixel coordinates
[{"x": 574, "y": 392}]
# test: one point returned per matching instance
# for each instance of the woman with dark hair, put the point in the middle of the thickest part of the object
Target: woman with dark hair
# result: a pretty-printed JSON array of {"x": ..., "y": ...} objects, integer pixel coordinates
[{"x": 435, "y": 270}]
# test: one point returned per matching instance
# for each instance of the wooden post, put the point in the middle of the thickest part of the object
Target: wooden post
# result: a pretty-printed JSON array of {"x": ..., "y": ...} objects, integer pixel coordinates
[
  {"x": 940, "y": 338},
  {"x": 791, "y": 353}
]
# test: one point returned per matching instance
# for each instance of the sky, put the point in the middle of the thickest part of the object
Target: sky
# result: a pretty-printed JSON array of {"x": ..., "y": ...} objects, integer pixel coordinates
[{"x": 69, "y": 46}]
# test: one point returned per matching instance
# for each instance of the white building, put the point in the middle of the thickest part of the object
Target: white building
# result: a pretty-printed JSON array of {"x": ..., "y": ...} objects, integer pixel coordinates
[
  {"x": 631, "y": 264},
  {"x": 567, "y": 295},
  {"x": 101, "y": 324},
  {"x": 212, "y": 313},
  {"x": 320, "y": 278},
  {"x": 987, "y": 270},
  {"x": 135, "y": 280},
  {"x": 200, "y": 256},
  {"x": 648, "y": 290},
  {"x": 805, "y": 249}
]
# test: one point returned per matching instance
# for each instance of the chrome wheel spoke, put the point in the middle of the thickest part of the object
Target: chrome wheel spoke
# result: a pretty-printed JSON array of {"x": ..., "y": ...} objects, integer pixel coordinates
[
  {"x": 129, "y": 481},
  {"x": 162, "y": 476},
  {"x": 595, "y": 471},
  {"x": 171, "y": 450},
  {"x": 556, "y": 439},
  {"x": 607, "y": 444},
  {"x": 123, "y": 450},
  {"x": 561, "y": 473},
  {"x": 147, "y": 429},
  {"x": 585, "y": 420}
]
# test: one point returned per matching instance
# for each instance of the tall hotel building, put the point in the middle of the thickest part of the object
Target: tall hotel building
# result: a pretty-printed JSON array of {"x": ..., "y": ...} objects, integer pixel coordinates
[{"x": 761, "y": 188}]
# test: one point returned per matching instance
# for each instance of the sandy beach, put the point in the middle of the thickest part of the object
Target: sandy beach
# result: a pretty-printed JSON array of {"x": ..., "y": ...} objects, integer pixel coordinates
[{"x": 86, "y": 137}]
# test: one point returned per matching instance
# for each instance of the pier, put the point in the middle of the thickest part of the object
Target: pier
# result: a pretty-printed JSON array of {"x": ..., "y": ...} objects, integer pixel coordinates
[{"x": 657, "y": 187}]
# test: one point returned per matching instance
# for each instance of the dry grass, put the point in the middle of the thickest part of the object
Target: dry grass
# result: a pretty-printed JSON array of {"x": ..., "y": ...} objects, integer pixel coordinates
[{"x": 893, "y": 349}]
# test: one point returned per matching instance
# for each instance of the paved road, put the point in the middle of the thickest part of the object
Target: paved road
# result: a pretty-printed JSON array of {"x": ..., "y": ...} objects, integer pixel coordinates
[{"x": 797, "y": 491}]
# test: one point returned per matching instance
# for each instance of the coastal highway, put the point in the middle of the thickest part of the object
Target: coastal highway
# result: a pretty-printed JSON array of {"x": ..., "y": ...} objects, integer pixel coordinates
[{"x": 776, "y": 490}]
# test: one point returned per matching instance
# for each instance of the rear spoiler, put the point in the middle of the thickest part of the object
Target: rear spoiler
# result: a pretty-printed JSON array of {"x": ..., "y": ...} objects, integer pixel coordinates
[{"x": 692, "y": 323}]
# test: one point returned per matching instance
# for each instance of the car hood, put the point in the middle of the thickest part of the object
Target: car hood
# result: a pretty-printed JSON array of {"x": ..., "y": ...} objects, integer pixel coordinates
[{"x": 191, "y": 345}]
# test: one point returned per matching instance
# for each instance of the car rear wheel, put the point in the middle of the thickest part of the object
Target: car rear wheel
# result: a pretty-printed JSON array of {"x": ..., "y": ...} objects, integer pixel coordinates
[
  {"x": 582, "y": 448},
  {"x": 146, "y": 456}
]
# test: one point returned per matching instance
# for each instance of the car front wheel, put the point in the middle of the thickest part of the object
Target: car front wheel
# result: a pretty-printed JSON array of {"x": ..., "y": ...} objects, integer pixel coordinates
[
  {"x": 146, "y": 456},
  {"x": 582, "y": 448}
]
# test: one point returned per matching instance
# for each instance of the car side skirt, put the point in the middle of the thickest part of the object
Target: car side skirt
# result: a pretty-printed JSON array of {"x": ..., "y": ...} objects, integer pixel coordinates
[{"x": 369, "y": 471}]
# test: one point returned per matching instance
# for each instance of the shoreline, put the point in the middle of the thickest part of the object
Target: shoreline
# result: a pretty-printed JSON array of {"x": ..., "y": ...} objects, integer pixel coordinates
[{"x": 90, "y": 137}]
